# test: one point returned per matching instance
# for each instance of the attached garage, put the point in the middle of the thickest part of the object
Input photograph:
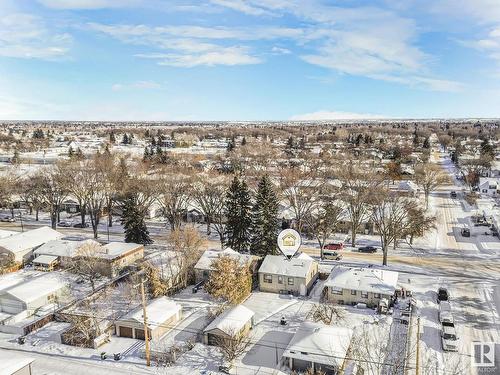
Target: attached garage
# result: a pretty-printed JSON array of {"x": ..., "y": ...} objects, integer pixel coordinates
[{"x": 162, "y": 314}]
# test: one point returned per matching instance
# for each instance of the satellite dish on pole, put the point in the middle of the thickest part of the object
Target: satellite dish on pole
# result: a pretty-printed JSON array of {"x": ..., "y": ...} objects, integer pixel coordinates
[{"x": 289, "y": 242}]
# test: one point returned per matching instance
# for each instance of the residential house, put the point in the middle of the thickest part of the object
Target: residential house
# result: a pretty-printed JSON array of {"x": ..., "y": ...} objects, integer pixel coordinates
[
  {"x": 278, "y": 274},
  {"x": 352, "y": 285},
  {"x": 64, "y": 250},
  {"x": 162, "y": 314},
  {"x": 114, "y": 256},
  {"x": 32, "y": 294},
  {"x": 203, "y": 267},
  {"x": 318, "y": 347},
  {"x": 20, "y": 246},
  {"x": 488, "y": 186},
  {"x": 233, "y": 322}
]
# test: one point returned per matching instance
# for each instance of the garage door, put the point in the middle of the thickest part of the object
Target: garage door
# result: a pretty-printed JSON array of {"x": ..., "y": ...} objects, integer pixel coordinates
[
  {"x": 126, "y": 332},
  {"x": 139, "y": 334}
]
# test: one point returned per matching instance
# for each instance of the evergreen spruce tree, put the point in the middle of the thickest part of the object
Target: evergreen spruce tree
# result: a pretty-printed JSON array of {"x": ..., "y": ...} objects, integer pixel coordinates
[
  {"x": 71, "y": 152},
  {"x": 125, "y": 139},
  {"x": 112, "y": 137},
  {"x": 133, "y": 222},
  {"x": 238, "y": 213},
  {"x": 426, "y": 143},
  {"x": 265, "y": 221}
]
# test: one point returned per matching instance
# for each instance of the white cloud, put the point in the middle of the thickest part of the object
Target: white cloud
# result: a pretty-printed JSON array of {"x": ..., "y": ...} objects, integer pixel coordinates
[
  {"x": 280, "y": 51},
  {"x": 334, "y": 115},
  {"x": 242, "y": 6},
  {"x": 88, "y": 4},
  {"x": 220, "y": 56},
  {"x": 27, "y": 36}
]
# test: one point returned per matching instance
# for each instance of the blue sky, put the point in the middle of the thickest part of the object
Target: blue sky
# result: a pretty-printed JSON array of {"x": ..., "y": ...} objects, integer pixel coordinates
[{"x": 248, "y": 60}]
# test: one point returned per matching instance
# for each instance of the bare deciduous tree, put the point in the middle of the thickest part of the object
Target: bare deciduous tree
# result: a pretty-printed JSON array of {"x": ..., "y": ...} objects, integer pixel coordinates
[
  {"x": 173, "y": 197},
  {"x": 209, "y": 193},
  {"x": 53, "y": 190},
  {"x": 87, "y": 262},
  {"x": 186, "y": 243},
  {"x": 429, "y": 177},
  {"x": 233, "y": 345}
]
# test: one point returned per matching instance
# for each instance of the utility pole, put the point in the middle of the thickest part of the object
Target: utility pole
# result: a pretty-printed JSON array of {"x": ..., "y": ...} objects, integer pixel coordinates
[
  {"x": 417, "y": 361},
  {"x": 146, "y": 335}
]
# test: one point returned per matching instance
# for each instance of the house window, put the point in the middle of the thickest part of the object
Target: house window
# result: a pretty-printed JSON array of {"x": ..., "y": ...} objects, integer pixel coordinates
[
  {"x": 268, "y": 278},
  {"x": 364, "y": 294},
  {"x": 290, "y": 281},
  {"x": 336, "y": 291},
  {"x": 376, "y": 295},
  {"x": 353, "y": 292},
  {"x": 280, "y": 279}
]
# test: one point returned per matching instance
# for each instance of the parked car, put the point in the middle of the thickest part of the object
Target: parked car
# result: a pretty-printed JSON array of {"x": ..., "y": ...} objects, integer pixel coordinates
[
  {"x": 335, "y": 246},
  {"x": 465, "y": 232},
  {"x": 8, "y": 219},
  {"x": 80, "y": 225},
  {"x": 332, "y": 255},
  {"x": 445, "y": 316},
  {"x": 443, "y": 295},
  {"x": 64, "y": 224},
  {"x": 453, "y": 194},
  {"x": 449, "y": 338},
  {"x": 367, "y": 249}
]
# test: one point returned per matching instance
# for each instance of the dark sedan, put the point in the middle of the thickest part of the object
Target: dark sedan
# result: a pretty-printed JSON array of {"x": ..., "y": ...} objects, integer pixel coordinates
[{"x": 367, "y": 249}]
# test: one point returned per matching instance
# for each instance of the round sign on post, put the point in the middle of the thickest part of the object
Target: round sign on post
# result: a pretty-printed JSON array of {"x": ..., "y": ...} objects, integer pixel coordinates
[{"x": 289, "y": 242}]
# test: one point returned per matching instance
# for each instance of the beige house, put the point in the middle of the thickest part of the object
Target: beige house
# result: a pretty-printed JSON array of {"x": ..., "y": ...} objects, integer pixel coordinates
[
  {"x": 162, "y": 315},
  {"x": 231, "y": 323},
  {"x": 353, "y": 285},
  {"x": 21, "y": 245},
  {"x": 296, "y": 275},
  {"x": 114, "y": 256},
  {"x": 203, "y": 267}
]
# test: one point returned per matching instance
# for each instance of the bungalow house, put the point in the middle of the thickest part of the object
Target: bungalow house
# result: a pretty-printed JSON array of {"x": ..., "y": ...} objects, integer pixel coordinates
[
  {"x": 114, "y": 256},
  {"x": 15, "y": 364},
  {"x": 118, "y": 255},
  {"x": 32, "y": 294},
  {"x": 162, "y": 314},
  {"x": 296, "y": 275},
  {"x": 318, "y": 346},
  {"x": 231, "y": 323},
  {"x": 352, "y": 285},
  {"x": 62, "y": 250},
  {"x": 203, "y": 267},
  {"x": 21, "y": 245}
]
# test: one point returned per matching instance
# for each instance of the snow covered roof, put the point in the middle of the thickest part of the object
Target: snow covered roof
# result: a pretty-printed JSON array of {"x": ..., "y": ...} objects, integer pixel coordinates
[
  {"x": 45, "y": 259},
  {"x": 320, "y": 343},
  {"x": 205, "y": 262},
  {"x": 115, "y": 249},
  {"x": 363, "y": 279},
  {"x": 62, "y": 248},
  {"x": 158, "y": 311},
  {"x": 13, "y": 362},
  {"x": 6, "y": 233},
  {"x": 28, "y": 240},
  {"x": 231, "y": 321},
  {"x": 279, "y": 265},
  {"x": 34, "y": 288}
]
